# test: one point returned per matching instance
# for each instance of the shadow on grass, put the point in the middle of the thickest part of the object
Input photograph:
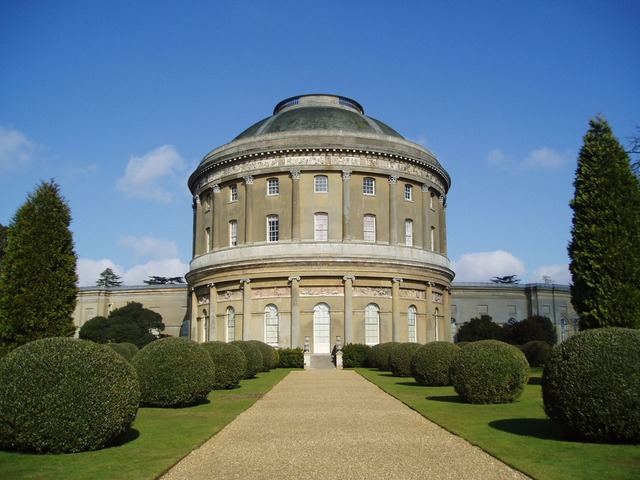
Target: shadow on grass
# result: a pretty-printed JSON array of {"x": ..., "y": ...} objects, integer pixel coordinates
[
  {"x": 541, "y": 428},
  {"x": 535, "y": 381},
  {"x": 446, "y": 398},
  {"x": 125, "y": 437}
]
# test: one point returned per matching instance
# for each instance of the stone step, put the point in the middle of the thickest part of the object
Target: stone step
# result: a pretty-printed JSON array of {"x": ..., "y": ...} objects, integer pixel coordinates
[{"x": 321, "y": 362}]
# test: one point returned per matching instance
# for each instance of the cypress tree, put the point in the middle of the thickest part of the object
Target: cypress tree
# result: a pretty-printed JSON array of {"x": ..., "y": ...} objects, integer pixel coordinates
[
  {"x": 38, "y": 282},
  {"x": 605, "y": 244}
]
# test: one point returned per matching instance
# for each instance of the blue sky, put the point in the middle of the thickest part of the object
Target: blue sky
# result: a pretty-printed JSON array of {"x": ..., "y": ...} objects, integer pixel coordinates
[{"x": 119, "y": 101}]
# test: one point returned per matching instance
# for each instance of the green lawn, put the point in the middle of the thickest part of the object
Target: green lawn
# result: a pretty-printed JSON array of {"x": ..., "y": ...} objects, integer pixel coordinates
[
  {"x": 519, "y": 433},
  {"x": 159, "y": 438}
]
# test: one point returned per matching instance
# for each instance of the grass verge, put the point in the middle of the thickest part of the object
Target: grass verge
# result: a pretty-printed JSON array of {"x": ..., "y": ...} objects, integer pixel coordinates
[
  {"x": 160, "y": 437},
  {"x": 518, "y": 433}
]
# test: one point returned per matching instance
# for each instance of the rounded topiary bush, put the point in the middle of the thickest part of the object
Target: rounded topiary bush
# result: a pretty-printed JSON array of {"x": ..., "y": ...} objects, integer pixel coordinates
[
  {"x": 354, "y": 355},
  {"x": 291, "y": 358},
  {"x": 430, "y": 363},
  {"x": 591, "y": 385},
  {"x": 380, "y": 355},
  {"x": 489, "y": 371},
  {"x": 400, "y": 356},
  {"x": 133, "y": 349},
  {"x": 62, "y": 395},
  {"x": 174, "y": 372},
  {"x": 464, "y": 343},
  {"x": 269, "y": 355},
  {"x": 230, "y": 364},
  {"x": 537, "y": 352},
  {"x": 253, "y": 356},
  {"x": 122, "y": 349}
]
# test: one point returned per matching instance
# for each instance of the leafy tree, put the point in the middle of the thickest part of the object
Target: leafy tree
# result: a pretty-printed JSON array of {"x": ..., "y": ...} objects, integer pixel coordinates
[
  {"x": 605, "y": 246},
  {"x": 132, "y": 323},
  {"x": 108, "y": 278},
  {"x": 38, "y": 282},
  {"x": 533, "y": 328},
  {"x": 510, "y": 279},
  {"x": 4, "y": 236},
  {"x": 154, "y": 280},
  {"x": 479, "y": 328}
]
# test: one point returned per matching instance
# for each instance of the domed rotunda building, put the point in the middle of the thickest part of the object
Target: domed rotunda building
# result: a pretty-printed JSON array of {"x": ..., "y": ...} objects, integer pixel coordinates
[{"x": 320, "y": 226}]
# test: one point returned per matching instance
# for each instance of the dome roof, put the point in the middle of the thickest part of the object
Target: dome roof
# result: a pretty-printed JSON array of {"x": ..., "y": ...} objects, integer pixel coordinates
[{"x": 318, "y": 112}]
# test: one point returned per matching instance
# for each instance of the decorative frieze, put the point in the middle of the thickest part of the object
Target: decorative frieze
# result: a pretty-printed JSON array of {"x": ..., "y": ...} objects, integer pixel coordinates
[
  {"x": 436, "y": 297},
  {"x": 412, "y": 294},
  {"x": 321, "y": 291},
  {"x": 203, "y": 299},
  {"x": 271, "y": 292},
  {"x": 230, "y": 295},
  {"x": 372, "y": 292}
]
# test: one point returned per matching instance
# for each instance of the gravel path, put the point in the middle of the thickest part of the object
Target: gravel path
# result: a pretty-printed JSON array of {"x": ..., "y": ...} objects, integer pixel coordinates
[{"x": 335, "y": 425}]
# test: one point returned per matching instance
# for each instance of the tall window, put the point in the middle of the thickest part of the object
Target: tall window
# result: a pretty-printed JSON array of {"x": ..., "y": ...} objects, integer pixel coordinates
[
  {"x": 369, "y": 228},
  {"x": 321, "y": 227},
  {"x": 273, "y": 228},
  {"x": 411, "y": 321},
  {"x": 431, "y": 200},
  {"x": 233, "y": 193},
  {"x": 408, "y": 192},
  {"x": 432, "y": 238},
  {"x": 320, "y": 184},
  {"x": 233, "y": 233},
  {"x": 408, "y": 232},
  {"x": 207, "y": 238},
  {"x": 372, "y": 324},
  {"x": 271, "y": 322},
  {"x": 231, "y": 324},
  {"x": 369, "y": 186},
  {"x": 436, "y": 324},
  {"x": 207, "y": 202},
  {"x": 273, "y": 186}
]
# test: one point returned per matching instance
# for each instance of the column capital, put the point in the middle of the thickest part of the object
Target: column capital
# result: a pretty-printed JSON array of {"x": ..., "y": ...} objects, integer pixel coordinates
[
  {"x": 295, "y": 174},
  {"x": 397, "y": 280},
  {"x": 216, "y": 188},
  {"x": 248, "y": 179},
  {"x": 425, "y": 188},
  {"x": 346, "y": 174},
  {"x": 348, "y": 277},
  {"x": 196, "y": 198},
  {"x": 245, "y": 281},
  {"x": 292, "y": 279},
  {"x": 211, "y": 285},
  {"x": 393, "y": 179},
  {"x": 431, "y": 284}
]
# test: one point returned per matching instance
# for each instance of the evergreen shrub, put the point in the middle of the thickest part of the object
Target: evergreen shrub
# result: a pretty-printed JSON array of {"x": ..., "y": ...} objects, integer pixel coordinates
[
  {"x": 269, "y": 355},
  {"x": 253, "y": 356},
  {"x": 63, "y": 395},
  {"x": 400, "y": 356},
  {"x": 291, "y": 358},
  {"x": 489, "y": 371},
  {"x": 230, "y": 364},
  {"x": 380, "y": 355},
  {"x": 354, "y": 355},
  {"x": 430, "y": 363},
  {"x": 122, "y": 349},
  {"x": 591, "y": 385},
  {"x": 174, "y": 372},
  {"x": 537, "y": 352}
]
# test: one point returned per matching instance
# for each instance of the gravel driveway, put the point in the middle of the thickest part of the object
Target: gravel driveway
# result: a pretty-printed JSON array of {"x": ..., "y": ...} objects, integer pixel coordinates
[{"x": 335, "y": 425}]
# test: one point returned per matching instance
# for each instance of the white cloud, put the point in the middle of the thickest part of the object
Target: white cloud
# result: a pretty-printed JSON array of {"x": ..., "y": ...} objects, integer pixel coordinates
[
  {"x": 89, "y": 270},
  {"x": 153, "y": 175},
  {"x": 555, "y": 273},
  {"x": 545, "y": 158},
  {"x": 15, "y": 149},
  {"x": 497, "y": 158},
  {"x": 148, "y": 247},
  {"x": 482, "y": 266}
]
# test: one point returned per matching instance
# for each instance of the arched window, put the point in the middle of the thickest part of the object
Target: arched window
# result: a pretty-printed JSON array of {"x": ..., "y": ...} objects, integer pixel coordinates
[
  {"x": 231, "y": 324},
  {"x": 321, "y": 227},
  {"x": 372, "y": 324},
  {"x": 321, "y": 328},
  {"x": 271, "y": 323},
  {"x": 436, "y": 321},
  {"x": 411, "y": 321},
  {"x": 369, "y": 228},
  {"x": 273, "y": 186},
  {"x": 408, "y": 232},
  {"x": 320, "y": 184}
]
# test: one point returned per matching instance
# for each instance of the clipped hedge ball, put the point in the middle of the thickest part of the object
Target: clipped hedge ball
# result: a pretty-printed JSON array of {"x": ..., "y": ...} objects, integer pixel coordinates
[
  {"x": 230, "y": 364},
  {"x": 489, "y": 371},
  {"x": 63, "y": 395},
  {"x": 430, "y": 363},
  {"x": 591, "y": 385},
  {"x": 253, "y": 355},
  {"x": 174, "y": 372},
  {"x": 400, "y": 356}
]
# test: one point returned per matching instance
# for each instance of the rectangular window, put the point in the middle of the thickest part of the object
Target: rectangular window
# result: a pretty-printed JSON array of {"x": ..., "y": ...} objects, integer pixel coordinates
[
  {"x": 273, "y": 229},
  {"x": 320, "y": 184},
  {"x": 483, "y": 309},
  {"x": 207, "y": 202},
  {"x": 321, "y": 227},
  {"x": 408, "y": 233},
  {"x": 369, "y": 228},
  {"x": 233, "y": 193},
  {"x": 233, "y": 233},
  {"x": 431, "y": 202},
  {"x": 369, "y": 186},
  {"x": 273, "y": 186},
  {"x": 432, "y": 239},
  {"x": 411, "y": 320},
  {"x": 207, "y": 238},
  {"x": 408, "y": 192}
]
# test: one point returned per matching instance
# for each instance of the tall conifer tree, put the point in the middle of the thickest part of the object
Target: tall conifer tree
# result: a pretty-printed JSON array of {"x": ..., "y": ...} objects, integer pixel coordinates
[
  {"x": 605, "y": 244},
  {"x": 38, "y": 283}
]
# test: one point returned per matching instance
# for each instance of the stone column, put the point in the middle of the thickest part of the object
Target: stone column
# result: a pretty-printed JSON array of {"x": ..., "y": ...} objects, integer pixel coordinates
[
  {"x": 246, "y": 309},
  {"x": 295, "y": 205},
  {"x": 213, "y": 313},
  {"x": 215, "y": 235},
  {"x": 445, "y": 328},
  {"x": 193, "y": 327},
  {"x": 295, "y": 312},
  {"x": 395, "y": 309},
  {"x": 196, "y": 223},
  {"x": 348, "y": 309},
  {"x": 429, "y": 314},
  {"x": 393, "y": 210},
  {"x": 346, "y": 205},
  {"x": 442, "y": 233},
  {"x": 248, "y": 208},
  {"x": 426, "y": 234}
]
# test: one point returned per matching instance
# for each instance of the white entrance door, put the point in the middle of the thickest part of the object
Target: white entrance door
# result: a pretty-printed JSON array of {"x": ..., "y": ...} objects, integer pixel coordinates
[{"x": 321, "y": 329}]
